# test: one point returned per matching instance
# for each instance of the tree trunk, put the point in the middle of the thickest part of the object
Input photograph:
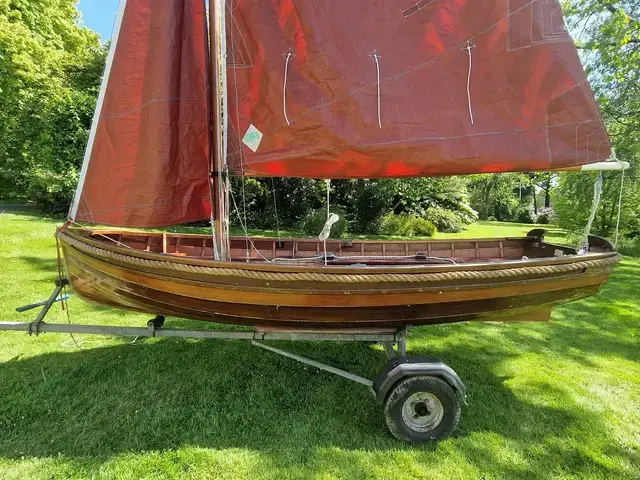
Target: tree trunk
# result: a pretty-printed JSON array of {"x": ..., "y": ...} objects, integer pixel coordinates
[{"x": 547, "y": 193}]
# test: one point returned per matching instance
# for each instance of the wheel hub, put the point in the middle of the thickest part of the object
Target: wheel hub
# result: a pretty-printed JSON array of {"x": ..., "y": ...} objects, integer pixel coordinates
[{"x": 422, "y": 412}]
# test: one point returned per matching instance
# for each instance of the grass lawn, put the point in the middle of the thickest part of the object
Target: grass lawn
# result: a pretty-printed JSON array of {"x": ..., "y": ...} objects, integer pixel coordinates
[{"x": 556, "y": 400}]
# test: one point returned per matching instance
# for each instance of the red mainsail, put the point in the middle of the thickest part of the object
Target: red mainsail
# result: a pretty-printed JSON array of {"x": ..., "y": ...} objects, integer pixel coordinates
[
  {"x": 377, "y": 88},
  {"x": 147, "y": 163}
]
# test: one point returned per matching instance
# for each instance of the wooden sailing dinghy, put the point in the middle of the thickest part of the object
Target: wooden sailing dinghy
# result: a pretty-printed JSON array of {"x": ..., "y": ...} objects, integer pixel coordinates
[
  {"x": 307, "y": 92},
  {"x": 365, "y": 284}
]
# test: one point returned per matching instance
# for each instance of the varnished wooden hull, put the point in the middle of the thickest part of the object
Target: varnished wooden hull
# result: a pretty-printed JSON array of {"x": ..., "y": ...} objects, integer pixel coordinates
[{"x": 296, "y": 296}]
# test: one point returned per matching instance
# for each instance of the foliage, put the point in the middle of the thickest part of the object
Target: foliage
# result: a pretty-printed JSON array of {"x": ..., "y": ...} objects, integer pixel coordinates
[
  {"x": 49, "y": 75},
  {"x": 608, "y": 35},
  {"x": 445, "y": 220},
  {"x": 407, "y": 225},
  {"x": 314, "y": 223},
  {"x": 574, "y": 198},
  {"x": 417, "y": 195},
  {"x": 497, "y": 195},
  {"x": 629, "y": 246},
  {"x": 546, "y": 216},
  {"x": 525, "y": 214},
  {"x": 275, "y": 203},
  {"x": 51, "y": 191},
  {"x": 423, "y": 227},
  {"x": 364, "y": 201}
]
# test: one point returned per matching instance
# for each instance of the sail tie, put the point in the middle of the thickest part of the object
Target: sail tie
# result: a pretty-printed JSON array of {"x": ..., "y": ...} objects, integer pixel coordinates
[
  {"x": 376, "y": 57},
  {"x": 288, "y": 55},
  {"x": 468, "y": 47}
]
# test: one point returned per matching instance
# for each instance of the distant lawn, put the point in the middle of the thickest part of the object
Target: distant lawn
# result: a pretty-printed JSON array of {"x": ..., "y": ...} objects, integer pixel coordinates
[{"x": 553, "y": 400}]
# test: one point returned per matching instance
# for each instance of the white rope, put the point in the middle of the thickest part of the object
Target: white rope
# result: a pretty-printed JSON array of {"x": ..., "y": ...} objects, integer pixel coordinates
[
  {"x": 376, "y": 56},
  {"x": 216, "y": 253},
  {"x": 597, "y": 192},
  {"x": 615, "y": 241},
  {"x": 288, "y": 55},
  {"x": 468, "y": 47},
  {"x": 328, "y": 215}
]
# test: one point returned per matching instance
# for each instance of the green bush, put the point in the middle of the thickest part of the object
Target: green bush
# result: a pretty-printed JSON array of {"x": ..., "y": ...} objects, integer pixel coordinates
[
  {"x": 392, "y": 224},
  {"x": 629, "y": 246},
  {"x": 525, "y": 215},
  {"x": 546, "y": 216},
  {"x": 51, "y": 192},
  {"x": 423, "y": 227},
  {"x": 314, "y": 223},
  {"x": 445, "y": 220},
  {"x": 406, "y": 225}
]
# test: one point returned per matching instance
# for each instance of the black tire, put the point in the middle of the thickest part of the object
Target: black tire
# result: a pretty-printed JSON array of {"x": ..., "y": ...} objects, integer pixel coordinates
[{"x": 422, "y": 409}]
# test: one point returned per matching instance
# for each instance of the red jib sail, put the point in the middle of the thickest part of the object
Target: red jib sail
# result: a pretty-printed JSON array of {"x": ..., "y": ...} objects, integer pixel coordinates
[
  {"x": 347, "y": 89},
  {"x": 147, "y": 163}
]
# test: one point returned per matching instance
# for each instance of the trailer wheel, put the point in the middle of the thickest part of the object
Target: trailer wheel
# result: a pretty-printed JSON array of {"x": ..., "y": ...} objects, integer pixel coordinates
[{"x": 422, "y": 409}]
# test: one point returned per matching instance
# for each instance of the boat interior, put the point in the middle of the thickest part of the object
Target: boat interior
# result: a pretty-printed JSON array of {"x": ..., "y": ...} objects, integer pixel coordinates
[{"x": 344, "y": 252}]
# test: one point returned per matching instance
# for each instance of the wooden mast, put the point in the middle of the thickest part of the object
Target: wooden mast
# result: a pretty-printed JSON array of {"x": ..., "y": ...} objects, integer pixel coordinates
[{"x": 218, "y": 40}]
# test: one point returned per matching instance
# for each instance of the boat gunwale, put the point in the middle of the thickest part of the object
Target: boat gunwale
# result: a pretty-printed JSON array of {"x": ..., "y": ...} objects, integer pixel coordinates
[{"x": 82, "y": 235}]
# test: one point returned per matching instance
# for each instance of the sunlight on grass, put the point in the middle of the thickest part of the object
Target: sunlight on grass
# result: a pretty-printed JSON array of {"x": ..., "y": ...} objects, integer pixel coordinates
[{"x": 554, "y": 400}]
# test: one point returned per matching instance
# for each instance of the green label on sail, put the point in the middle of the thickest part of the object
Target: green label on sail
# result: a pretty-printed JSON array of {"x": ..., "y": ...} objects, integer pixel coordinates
[{"x": 252, "y": 138}]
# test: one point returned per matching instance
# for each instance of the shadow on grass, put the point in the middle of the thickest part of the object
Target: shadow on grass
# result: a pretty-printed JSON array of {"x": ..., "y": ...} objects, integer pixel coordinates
[
  {"x": 90, "y": 405},
  {"x": 46, "y": 264}
]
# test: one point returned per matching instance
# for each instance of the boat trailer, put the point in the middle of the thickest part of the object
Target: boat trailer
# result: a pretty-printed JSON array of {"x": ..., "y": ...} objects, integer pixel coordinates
[{"x": 420, "y": 396}]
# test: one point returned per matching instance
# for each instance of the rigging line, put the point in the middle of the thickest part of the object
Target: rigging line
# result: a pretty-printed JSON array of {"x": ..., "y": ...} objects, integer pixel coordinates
[
  {"x": 468, "y": 47},
  {"x": 288, "y": 55},
  {"x": 275, "y": 206},
  {"x": 244, "y": 228},
  {"x": 242, "y": 180},
  {"x": 615, "y": 241},
  {"x": 376, "y": 56},
  {"x": 64, "y": 302},
  {"x": 244, "y": 210}
]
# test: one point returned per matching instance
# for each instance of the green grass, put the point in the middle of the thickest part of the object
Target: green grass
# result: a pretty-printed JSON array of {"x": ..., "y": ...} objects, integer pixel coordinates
[{"x": 556, "y": 400}]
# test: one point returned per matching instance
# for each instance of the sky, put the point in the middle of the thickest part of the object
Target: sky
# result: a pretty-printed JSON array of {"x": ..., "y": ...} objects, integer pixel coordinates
[{"x": 99, "y": 15}]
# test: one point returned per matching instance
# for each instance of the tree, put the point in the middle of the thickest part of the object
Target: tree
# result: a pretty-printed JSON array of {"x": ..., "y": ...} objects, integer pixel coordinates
[
  {"x": 497, "y": 194},
  {"x": 49, "y": 75},
  {"x": 607, "y": 33}
]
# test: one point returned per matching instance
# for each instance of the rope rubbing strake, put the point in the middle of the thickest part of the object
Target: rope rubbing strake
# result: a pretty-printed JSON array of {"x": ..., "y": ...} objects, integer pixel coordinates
[{"x": 345, "y": 278}]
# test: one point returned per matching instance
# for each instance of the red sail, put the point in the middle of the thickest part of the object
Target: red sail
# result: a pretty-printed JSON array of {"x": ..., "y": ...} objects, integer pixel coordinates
[
  {"x": 345, "y": 89},
  {"x": 148, "y": 164}
]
